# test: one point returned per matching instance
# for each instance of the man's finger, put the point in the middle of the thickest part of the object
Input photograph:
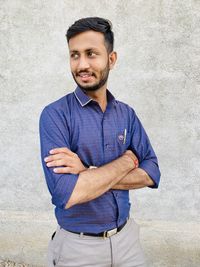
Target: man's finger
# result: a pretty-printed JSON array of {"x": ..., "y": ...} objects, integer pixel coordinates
[
  {"x": 56, "y": 157},
  {"x": 61, "y": 150},
  {"x": 63, "y": 170},
  {"x": 60, "y": 162},
  {"x": 51, "y": 158},
  {"x": 56, "y": 163}
]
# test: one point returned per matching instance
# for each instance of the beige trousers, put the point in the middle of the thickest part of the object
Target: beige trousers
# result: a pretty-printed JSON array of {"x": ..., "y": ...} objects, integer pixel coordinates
[{"x": 120, "y": 250}]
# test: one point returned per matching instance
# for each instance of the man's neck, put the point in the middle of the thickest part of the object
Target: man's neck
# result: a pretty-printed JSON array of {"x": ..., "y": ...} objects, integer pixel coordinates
[{"x": 99, "y": 96}]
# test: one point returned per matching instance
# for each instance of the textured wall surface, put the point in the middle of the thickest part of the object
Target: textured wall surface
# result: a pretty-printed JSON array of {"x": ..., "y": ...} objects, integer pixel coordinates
[{"x": 157, "y": 73}]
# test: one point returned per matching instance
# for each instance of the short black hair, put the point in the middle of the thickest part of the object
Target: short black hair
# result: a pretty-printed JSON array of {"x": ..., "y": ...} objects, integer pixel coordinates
[{"x": 96, "y": 24}]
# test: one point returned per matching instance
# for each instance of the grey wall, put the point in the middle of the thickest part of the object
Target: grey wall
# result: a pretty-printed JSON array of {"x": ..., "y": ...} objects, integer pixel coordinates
[{"x": 158, "y": 73}]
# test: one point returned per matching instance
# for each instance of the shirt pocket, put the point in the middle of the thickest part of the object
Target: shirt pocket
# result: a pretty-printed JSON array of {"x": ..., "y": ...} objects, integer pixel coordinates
[{"x": 123, "y": 140}]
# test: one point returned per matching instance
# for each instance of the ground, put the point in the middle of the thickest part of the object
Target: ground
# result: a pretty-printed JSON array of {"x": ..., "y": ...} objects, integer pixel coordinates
[{"x": 12, "y": 264}]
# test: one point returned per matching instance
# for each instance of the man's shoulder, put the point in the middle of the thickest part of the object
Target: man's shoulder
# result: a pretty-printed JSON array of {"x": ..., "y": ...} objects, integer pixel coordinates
[
  {"x": 58, "y": 108},
  {"x": 61, "y": 102},
  {"x": 125, "y": 106}
]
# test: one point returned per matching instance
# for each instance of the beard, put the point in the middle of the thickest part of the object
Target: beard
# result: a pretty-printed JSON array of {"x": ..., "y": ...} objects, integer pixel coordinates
[{"x": 102, "y": 80}]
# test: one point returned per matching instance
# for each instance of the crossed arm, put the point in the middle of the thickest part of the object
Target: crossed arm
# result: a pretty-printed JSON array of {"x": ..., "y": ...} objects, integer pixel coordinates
[{"x": 121, "y": 173}]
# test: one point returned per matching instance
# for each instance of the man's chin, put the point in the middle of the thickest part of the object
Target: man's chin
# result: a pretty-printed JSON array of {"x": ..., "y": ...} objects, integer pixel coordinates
[{"x": 89, "y": 88}]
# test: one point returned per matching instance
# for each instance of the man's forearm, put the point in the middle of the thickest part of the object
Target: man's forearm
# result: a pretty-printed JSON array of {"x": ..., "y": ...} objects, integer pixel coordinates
[
  {"x": 92, "y": 183},
  {"x": 136, "y": 178}
]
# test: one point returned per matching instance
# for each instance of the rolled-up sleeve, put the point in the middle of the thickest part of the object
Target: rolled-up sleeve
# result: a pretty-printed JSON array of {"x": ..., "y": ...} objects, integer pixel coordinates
[
  {"x": 54, "y": 133},
  {"x": 140, "y": 144}
]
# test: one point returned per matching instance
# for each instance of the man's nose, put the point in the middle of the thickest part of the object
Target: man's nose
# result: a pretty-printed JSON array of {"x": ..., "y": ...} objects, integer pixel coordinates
[{"x": 83, "y": 63}]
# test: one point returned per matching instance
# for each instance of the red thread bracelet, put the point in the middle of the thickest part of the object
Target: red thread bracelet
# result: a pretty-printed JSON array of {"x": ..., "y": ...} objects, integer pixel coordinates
[{"x": 136, "y": 163}]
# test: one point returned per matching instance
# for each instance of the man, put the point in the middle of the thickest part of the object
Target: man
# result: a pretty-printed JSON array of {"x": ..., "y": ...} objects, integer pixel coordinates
[{"x": 94, "y": 150}]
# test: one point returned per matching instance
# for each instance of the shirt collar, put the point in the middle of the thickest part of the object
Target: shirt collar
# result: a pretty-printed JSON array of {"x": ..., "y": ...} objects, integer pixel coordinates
[{"x": 84, "y": 99}]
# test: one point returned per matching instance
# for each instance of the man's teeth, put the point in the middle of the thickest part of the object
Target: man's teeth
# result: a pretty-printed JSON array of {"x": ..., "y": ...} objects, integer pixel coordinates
[{"x": 84, "y": 75}]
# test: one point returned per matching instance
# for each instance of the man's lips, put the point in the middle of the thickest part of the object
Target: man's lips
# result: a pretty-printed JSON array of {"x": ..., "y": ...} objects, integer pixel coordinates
[{"x": 85, "y": 76}]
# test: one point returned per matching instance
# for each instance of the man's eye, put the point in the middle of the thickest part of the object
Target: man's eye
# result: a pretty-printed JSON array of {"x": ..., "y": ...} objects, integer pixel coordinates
[
  {"x": 74, "y": 56},
  {"x": 91, "y": 54}
]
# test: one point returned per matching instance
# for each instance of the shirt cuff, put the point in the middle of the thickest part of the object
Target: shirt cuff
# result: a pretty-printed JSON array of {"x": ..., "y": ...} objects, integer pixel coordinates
[
  {"x": 63, "y": 189},
  {"x": 152, "y": 169}
]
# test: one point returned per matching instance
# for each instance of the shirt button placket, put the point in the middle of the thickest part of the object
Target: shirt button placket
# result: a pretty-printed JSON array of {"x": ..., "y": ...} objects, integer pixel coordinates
[{"x": 104, "y": 127}]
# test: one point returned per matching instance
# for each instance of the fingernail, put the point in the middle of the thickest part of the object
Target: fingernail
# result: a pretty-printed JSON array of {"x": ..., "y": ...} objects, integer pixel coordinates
[
  {"x": 55, "y": 170},
  {"x": 45, "y": 159},
  {"x": 51, "y": 151}
]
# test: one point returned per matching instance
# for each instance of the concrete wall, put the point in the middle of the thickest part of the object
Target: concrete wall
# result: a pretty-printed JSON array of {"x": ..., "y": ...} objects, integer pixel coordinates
[{"x": 158, "y": 73}]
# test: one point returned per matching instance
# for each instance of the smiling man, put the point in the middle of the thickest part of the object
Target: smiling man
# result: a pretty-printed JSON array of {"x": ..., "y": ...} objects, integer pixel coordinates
[
  {"x": 94, "y": 150},
  {"x": 91, "y": 72}
]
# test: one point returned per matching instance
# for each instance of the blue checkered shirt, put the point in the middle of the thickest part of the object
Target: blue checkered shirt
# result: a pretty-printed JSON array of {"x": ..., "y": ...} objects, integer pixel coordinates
[{"x": 77, "y": 122}]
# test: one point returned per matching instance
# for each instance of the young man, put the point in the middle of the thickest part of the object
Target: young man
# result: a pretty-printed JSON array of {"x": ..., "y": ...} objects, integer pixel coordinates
[{"x": 94, "y": 150}]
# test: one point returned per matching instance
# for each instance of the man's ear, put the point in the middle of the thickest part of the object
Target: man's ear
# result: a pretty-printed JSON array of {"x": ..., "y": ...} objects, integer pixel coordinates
[{"x": 112, "y": 59}]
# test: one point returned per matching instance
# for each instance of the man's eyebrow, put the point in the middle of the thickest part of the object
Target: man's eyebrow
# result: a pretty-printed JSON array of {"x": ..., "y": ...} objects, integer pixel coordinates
[
  {"x": 87, "y": 50},
  {"x": 73, "y": 51},
  {"x": 91, "y": 49}
]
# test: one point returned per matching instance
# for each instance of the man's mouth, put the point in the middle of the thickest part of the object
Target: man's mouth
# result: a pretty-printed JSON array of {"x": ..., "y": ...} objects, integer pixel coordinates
[{"x": 85, "y": 76}]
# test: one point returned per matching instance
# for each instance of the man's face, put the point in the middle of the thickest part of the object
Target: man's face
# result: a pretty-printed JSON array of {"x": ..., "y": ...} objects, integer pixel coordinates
[{"x": 89, "y": 60}]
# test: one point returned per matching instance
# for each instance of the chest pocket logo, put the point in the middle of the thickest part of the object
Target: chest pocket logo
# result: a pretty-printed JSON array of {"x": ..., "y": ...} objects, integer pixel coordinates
[{"x": 121, "y": 137}]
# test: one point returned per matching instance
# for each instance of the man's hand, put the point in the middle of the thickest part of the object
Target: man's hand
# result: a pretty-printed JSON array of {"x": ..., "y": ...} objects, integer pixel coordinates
[
  {"x": 133, "y": 157},
  {"x": 64, "y": 157},
  {"x": 71, "y": 162}
]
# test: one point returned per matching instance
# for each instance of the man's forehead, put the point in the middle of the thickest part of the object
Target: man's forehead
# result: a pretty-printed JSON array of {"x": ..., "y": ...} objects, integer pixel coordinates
[{"x": 87, "y": 40}]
